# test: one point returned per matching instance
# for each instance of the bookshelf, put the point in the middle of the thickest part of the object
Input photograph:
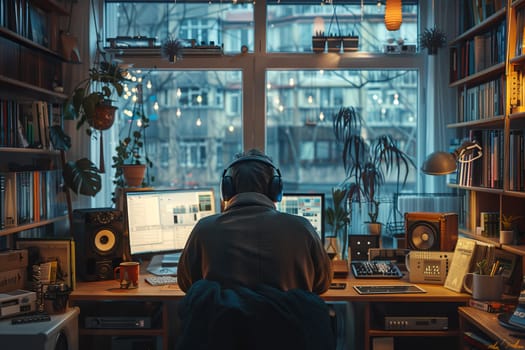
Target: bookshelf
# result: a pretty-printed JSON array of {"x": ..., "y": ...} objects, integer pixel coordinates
[
  {"x": 33, "y": 199},
  {"x": 484, "y": 59}
]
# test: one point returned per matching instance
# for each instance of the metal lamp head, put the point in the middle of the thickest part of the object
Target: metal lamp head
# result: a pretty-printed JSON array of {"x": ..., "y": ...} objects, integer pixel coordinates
[
  {"x": 442, "y": 163},
  {"x": 439, "y": 163}
]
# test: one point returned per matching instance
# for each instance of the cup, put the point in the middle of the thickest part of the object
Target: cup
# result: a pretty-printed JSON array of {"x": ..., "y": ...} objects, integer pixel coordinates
[
  {"x": 128, "y": 272},
  {"x": 483, "y": 287}
]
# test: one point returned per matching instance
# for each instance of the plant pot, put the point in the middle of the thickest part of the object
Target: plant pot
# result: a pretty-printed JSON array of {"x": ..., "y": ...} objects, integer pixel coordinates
[
  {"x": 374, "y": 228},
  {"x": 133, "y": 174},
  {"x": 350, "y": 43},
  {"x": 333, "y": 44},
  {"x": 104, "y": 116},
  {"x": 506, "y": 237},
  {"x": 319, "y": 44}
]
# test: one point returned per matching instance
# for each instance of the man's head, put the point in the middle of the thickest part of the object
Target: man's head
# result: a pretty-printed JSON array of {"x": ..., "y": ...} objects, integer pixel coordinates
[{"x": 252, "y": 171}]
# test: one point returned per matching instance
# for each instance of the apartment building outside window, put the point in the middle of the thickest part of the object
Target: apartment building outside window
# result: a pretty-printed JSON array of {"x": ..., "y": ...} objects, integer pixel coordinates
[{"x": 279, "y": 91}]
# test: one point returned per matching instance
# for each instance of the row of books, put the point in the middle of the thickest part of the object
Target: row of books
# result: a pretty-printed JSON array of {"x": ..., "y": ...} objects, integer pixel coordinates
[
  {"x": 31, "y": 196},
  {"x": 480, "y": 52},
  {"x": 482, "y": 101},
  {"x": 25, "y": 19},
  {"x": 489, "y": 223},
  {"x": 486, "y": 171},
  {"x": 516, "y": 160},
  {"x": 476, "y": 11},
  {"x": 26, "y": 124},
  {"x": 520, "y": 32}
]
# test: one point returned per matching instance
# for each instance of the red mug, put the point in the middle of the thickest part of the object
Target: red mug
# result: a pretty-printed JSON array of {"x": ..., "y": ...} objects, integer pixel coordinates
[{"x": 128, "y": 272}]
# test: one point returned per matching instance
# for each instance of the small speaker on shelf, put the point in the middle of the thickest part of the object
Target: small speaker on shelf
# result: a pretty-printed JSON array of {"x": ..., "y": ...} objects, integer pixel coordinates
[
  {"x": 98, "y": 234},
  {"x": 431, "y": 231}
]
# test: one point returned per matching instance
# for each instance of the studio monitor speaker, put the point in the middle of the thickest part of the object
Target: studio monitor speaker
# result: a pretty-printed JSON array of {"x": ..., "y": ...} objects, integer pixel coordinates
[
  {"x": 98, "y": 242},
  {"x": 431, "y": 231}
]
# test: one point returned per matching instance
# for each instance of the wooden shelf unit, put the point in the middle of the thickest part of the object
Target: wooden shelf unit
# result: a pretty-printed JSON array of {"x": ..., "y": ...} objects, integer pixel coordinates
[{"x": 31, "y": 68}]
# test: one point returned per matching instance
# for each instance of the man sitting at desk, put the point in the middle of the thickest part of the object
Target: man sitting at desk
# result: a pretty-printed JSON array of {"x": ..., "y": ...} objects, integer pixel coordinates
[{"x": 250, "y": 252}]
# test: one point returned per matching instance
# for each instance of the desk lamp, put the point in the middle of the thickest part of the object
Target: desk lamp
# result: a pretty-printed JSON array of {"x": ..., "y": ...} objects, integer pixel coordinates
[{"x": 442, "y": 163}]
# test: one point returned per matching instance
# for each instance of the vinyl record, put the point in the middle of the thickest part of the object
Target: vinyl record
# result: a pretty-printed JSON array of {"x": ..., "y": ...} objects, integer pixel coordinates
[
  {"x": 104, "y": 241},
  {"x": 423, "y": 236}
]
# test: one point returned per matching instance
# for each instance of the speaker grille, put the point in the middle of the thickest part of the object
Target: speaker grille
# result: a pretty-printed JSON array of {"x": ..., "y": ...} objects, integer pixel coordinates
[{"x": 423, "y": 235}]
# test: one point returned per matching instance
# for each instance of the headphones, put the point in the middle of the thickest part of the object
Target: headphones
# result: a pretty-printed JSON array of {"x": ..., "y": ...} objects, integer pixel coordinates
[{"x": 275, "y": 187}]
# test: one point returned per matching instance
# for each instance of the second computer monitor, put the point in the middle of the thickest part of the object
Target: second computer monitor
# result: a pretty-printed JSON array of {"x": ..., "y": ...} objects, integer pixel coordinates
[{"x": 308, "y": 205}]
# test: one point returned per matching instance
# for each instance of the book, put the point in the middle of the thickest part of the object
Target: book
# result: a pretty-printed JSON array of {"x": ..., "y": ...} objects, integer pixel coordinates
[
  {"x": 495, "y": 306},
  {"x": 466, "y": 254}
]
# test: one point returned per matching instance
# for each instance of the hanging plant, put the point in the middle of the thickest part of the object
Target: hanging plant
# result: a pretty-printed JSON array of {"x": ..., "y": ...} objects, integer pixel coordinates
[
  {"x": 172, "y": 49},
  {"x": 432, "y": 39}
]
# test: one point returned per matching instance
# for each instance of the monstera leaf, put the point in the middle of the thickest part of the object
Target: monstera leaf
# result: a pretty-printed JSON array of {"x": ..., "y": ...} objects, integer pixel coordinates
[{"x": 83, "y": 177}]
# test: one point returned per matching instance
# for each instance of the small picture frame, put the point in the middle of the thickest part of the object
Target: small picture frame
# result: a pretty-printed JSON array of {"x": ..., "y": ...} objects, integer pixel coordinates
[{"x": 44, "y": 251}]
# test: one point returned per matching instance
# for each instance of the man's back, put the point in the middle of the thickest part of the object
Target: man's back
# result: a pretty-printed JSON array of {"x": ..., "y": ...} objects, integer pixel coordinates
[{"x": 251, "y": 244}]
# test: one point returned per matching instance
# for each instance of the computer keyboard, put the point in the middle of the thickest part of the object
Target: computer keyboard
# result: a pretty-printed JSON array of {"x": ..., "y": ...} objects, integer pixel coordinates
[
  {"x": 375, "y": 269},
  {"x": 161, "y": 280}
]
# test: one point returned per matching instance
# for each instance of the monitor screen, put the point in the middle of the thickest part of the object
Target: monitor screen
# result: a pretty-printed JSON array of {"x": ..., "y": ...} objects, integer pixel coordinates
[
  {"x": 308, "y": 205},
  {"x": 160, "y": 221}
]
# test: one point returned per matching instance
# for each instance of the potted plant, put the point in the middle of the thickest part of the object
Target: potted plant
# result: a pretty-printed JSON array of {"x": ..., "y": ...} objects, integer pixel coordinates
[
  {"x": 508, "y": 228},
  {"x": 172, "y": 48},
  {"x": 131, "y": 161},
  {"x": 338, "y": 217},
  {"x": 91, "y": 99},
  {"x": 367, "y": 161},
  {"x": 90, "y": 102},
  {"x": 432, "y": 39},
  {"x": 319, "y": 42}
]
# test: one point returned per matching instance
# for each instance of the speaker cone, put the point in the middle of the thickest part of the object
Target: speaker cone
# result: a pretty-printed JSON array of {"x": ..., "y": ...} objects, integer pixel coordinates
[
  {"x": 104, "y": 241},
  {"x": 423, "y": 236}
]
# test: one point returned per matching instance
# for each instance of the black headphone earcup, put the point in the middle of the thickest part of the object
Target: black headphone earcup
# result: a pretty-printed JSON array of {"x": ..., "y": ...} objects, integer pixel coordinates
[
  {"x": 227, "y": 188},
  {"x": 275, "y": 191}
]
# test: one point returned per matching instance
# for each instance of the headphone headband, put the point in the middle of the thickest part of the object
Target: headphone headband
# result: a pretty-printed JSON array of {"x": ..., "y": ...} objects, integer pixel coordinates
[{"x": 275, "y": 187}]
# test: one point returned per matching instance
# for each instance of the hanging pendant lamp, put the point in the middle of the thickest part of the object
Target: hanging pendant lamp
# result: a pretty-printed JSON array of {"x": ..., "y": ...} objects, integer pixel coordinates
[{"x": 393, "y": 14}]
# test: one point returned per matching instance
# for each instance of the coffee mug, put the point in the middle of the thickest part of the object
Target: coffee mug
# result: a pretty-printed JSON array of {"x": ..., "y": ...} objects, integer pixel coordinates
[
  {"x": 128, "y": 272},
  {"x": 483, "y": 287}
]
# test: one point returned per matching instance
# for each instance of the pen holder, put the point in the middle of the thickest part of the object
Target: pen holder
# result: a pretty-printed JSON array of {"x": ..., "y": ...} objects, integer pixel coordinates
[{"x": 483, "y": 287}]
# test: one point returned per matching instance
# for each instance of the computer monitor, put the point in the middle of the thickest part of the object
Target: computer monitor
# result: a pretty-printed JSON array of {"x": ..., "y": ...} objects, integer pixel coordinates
[
  {"x": 160, "y": 222},
  {"x": 308, "y": 205}
]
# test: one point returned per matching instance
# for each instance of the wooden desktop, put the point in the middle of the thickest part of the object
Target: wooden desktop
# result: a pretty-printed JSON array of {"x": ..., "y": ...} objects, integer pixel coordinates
[{"x": 437, "y": 301}]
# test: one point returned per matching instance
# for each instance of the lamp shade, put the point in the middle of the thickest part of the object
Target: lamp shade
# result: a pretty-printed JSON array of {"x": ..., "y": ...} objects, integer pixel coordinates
[
  {"x": 439, "y": 163},
  {"x": 393, "y": 14}
]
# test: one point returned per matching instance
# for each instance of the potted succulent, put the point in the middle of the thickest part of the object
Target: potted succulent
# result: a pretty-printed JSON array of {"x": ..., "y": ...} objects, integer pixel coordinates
[
  {"x": 508, "y": 228},
  {"x": 172, "y": 48},
  {"x": 432, "y": 39},
  {"x": 367, "y": 161}
]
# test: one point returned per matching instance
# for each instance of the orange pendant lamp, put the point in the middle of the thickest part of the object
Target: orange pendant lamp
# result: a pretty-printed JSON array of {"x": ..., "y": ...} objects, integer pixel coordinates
[{"x": 393, "y": 14}]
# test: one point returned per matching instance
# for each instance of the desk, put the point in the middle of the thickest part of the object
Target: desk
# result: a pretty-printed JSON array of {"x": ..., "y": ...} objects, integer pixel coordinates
[{"x": 437, "y": 301}]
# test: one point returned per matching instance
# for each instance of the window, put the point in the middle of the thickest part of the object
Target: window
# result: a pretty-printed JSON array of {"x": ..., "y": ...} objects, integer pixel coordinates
[{"x": 280, "y": 94}]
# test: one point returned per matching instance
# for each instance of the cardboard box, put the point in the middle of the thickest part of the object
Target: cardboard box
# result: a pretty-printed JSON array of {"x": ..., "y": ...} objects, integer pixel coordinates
[
  {"x": 12, "y": 280},
  {"x": 13, "y": 259}
]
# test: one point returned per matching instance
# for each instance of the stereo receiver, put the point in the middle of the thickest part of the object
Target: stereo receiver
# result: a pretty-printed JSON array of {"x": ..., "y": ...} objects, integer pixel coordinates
[
  {"x": 17, "y": 302},
  {"x": 415, "y": 323}
]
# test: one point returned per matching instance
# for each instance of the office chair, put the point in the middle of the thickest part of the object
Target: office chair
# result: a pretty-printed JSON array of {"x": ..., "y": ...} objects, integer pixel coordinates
[{"x": 263, "y": 318}]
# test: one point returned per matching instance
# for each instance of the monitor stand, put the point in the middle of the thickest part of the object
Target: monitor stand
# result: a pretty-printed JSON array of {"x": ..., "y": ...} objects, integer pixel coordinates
[{"x": 165, "y": 264}]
